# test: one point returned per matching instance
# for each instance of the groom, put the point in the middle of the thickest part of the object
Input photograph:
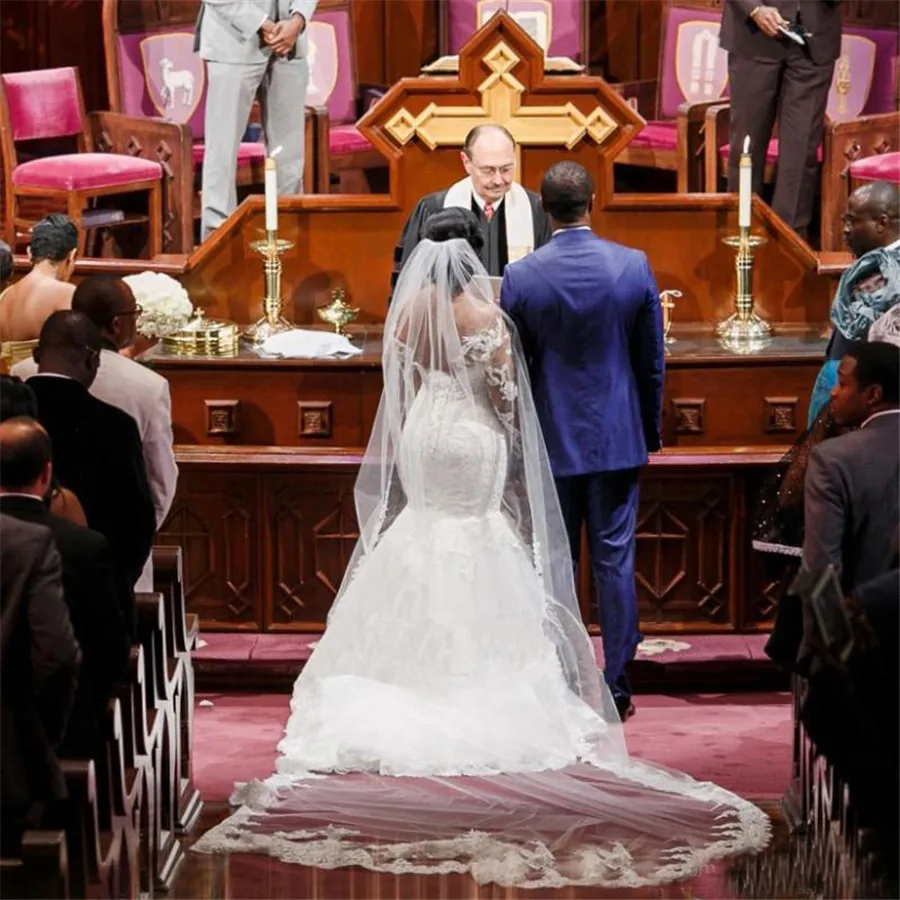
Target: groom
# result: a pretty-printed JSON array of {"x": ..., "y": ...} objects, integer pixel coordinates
[{"x": 588, "y": 314}]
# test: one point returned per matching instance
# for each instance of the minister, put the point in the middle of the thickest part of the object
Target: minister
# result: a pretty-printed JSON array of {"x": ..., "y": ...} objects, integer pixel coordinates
[{"x": 511, "y": 218}]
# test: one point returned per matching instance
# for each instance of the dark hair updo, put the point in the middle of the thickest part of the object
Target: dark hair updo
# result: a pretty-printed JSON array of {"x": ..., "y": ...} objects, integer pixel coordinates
[{"x": 454, "y": 223}]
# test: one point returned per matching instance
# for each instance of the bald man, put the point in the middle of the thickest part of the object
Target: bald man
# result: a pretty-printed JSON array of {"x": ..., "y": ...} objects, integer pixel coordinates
[
  {"x": 100, "y": 603},
  {"x": 512, "y": 220},
  {"x": 96, "y": 448},
  {"x": 868, "y": 288}
]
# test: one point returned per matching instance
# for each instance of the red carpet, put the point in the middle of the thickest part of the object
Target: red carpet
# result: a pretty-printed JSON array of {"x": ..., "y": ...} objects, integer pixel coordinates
[{"x": 740, "y": 741}]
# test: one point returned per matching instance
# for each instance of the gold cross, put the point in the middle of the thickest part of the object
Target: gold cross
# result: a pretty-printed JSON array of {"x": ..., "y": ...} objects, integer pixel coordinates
[{"x": 501, "y": 104}]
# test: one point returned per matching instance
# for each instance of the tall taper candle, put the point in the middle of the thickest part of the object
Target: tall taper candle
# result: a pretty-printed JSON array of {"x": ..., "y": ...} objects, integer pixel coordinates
[
  {"x": 272, "y": 192},
  {"x": 745, "y": 186}
]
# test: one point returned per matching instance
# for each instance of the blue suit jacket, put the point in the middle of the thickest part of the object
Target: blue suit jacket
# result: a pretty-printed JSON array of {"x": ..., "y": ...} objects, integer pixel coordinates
[{"x": 590, "y": 322}]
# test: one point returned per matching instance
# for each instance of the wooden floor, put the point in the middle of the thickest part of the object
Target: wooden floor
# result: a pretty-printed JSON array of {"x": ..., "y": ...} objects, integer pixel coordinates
[{"x": 776, "y": 873}]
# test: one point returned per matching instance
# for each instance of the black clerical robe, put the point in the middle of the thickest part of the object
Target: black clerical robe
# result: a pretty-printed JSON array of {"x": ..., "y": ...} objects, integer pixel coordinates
[{"x": 494, "y": 255}]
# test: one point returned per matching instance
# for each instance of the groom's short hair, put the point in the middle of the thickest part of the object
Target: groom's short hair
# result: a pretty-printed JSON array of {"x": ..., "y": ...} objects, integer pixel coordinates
[{"x": 566, "y": 191}]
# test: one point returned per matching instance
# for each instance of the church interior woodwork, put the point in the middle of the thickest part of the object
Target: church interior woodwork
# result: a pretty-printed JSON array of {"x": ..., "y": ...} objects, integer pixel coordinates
[{"x": 269, "y": 449}]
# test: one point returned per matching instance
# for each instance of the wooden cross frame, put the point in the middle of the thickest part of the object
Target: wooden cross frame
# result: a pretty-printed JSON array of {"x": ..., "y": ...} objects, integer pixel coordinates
[
  {"x": 501, "y": 76},
  {"x": 501, "y": 104}
]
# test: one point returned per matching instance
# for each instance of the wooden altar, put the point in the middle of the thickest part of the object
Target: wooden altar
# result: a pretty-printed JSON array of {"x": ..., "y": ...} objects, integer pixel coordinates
[{"x": 269, "y": 449}]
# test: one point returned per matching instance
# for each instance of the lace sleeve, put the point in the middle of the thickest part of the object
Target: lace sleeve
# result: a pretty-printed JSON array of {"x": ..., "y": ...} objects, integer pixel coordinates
[{"x": 491, "y": 348}]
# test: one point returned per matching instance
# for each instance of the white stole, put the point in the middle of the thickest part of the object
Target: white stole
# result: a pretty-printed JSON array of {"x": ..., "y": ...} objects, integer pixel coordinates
[{"x": 519, "y": 217}]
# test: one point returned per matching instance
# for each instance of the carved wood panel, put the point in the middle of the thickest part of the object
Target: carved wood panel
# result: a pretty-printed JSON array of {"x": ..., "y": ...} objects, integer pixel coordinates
[
  {"x": 684, "y": 550},
  {"x": 216, "y": 520},
  {"x": 312, "y": 523}
]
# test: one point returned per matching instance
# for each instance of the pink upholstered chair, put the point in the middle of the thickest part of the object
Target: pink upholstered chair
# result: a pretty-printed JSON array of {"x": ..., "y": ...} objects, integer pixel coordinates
[
  {"x": 560, "y": 27},
  {"x": 693, "y": 73},
  {"x": 334, "y": 89},
  {"x": 48, "y": 105},
  {"x": 860, "y": 103},
  {"x": 883, "y": 167}
]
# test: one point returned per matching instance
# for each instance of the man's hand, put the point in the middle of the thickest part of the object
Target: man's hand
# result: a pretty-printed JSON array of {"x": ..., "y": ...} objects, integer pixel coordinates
[
  {"x": 767, "y": 19},
  {"x": 266, "y": 29},
  {"x": 284, "y": 35}
]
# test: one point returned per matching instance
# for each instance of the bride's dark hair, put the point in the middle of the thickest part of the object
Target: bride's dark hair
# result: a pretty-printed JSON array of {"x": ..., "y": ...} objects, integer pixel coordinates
[
  {"x": 455, "y": 223},
  {"x": 452, "y": 223}
]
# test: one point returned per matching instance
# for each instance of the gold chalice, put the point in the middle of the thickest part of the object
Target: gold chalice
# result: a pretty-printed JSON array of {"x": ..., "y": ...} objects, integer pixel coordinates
[{"x": 338, "y": 313}]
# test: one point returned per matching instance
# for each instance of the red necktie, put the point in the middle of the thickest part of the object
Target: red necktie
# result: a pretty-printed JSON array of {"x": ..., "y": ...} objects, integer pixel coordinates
[{"x": 489, "y": 211}]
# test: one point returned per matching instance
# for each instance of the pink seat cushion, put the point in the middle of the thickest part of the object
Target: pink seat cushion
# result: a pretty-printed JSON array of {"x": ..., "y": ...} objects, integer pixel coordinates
[
  {"x": 656, "y": 136},
  {"x": 771, "y": 152},
  {"x": 248, "y": 152},
  {"x": 85, "y": 171},
  {"x": 884, "y": 167},
  {"x": 346, "y": 139}
]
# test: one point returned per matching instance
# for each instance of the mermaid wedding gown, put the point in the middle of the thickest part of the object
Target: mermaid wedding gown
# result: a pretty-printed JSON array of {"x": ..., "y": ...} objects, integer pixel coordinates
[{"x": 452, "y": 717}]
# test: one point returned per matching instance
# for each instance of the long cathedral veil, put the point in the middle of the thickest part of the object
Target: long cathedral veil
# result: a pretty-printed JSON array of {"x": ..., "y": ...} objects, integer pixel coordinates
[
  {"x": 454, "y": 372},
  {"x": 441, "y": 330}
]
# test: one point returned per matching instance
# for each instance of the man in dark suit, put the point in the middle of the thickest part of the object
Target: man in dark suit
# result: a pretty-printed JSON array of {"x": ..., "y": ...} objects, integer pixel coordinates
[
  {"x": 589, "y": 317},
  {"x": 39, "y": 659},
  {"x": 851, "y": 506},
  {"x": 99, "y": 606},
  {"x": 769, "y": 73},
  {"x": 97, "y": 450}
]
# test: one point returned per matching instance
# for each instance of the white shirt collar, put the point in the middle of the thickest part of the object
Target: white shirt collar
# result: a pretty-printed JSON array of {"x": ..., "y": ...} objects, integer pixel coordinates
[
  {"x": 884, "y": 412},
  {"x": 894, "y": 246},
  {"x": 481, "y": 201},
  {"x": 52, "y": 375},
  {"x": 571, "y": 228},
  {"x": 20, "y": 494}
]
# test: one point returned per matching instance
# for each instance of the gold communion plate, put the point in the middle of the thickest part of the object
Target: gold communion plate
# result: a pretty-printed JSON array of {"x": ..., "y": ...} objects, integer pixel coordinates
[{"x": 204, "y": 337}]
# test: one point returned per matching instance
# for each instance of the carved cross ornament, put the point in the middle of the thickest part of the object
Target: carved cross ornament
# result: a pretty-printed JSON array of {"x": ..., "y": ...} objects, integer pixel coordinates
[
  {"x": 501, "y": 104},
  {"x": 502, "y": 80}
]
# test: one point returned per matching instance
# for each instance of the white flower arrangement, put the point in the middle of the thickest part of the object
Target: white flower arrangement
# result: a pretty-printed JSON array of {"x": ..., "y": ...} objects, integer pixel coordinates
[{"x": 165, "y": 303}]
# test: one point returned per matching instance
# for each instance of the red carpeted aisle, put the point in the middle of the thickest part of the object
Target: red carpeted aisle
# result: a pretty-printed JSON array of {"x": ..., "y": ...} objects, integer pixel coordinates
[{"x": 740, "y": 741}]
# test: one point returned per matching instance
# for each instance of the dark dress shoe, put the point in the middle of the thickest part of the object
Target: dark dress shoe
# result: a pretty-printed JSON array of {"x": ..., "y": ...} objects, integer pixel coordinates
[{"x": 625, "y": 708}]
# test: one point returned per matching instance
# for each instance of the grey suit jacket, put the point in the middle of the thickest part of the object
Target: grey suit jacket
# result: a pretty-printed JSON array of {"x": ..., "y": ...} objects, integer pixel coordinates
[
  {"x": 851, "y": 508},
  {"x": 227, "y": 30}
]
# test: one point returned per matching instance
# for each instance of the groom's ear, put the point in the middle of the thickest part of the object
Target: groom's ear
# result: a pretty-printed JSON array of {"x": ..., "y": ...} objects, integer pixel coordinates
[{"x": 590, "y": 205}]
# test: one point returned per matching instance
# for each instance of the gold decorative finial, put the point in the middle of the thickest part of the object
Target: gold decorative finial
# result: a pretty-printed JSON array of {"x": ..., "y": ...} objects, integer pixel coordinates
[{"x": 842, "y": 81}]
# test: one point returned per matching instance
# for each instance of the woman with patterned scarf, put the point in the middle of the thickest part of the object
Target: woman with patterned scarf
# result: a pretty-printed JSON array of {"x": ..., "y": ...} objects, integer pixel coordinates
[{"x": 868, "y": 288}]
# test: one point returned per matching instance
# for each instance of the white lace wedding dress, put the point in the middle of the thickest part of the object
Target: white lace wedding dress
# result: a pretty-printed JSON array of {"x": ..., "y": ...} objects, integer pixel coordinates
[{"x": 446, "y": 688}]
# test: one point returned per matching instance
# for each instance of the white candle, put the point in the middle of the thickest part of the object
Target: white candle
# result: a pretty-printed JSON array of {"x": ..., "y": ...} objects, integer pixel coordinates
[
  {"x": 271, "y": 195},
  {"x": 745, "y": 186}
]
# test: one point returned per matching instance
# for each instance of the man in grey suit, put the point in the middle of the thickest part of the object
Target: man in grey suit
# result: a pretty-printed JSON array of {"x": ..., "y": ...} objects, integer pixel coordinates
[
  {"x": 252, "y": 48},
  {"x": 852, "y": 511}
]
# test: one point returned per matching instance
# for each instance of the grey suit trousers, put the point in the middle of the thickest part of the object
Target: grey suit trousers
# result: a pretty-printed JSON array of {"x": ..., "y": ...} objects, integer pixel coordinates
[{"x": 281, "y": 87}]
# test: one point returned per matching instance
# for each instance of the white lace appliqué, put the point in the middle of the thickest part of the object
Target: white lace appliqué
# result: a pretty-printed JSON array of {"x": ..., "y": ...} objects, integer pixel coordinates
[{"x": 490, "y": 349}]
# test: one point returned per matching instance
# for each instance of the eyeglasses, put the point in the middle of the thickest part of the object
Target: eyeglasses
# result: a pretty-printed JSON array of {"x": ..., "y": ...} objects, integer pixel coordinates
[
  {"x": 138, "y": 309},
  {"x": 489, "y": 171}
]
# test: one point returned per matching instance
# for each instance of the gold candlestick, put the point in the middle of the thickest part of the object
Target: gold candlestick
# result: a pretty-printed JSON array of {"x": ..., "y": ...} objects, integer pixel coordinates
[
  {"x": 272, "y": 321},
  {"x": 744, "y": 328},
  {"x": 667, "y": 301}
]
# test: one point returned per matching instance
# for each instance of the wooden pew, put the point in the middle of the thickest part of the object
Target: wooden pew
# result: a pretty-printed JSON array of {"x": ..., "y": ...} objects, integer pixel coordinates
[
  {"x": 42, "y": 871},
  {"x": 127, "y": 808}
]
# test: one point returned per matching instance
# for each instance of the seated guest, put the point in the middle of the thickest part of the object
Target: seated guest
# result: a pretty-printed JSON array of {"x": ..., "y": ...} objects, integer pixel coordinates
[
  {"x": 851, "y": 506},
  {"x": 99, "y": 601},
  {"x": 6, "y": 264},
  {"x": 17, "y": 399},
  {"x": 510, "y": 218},
  {"x": 39, "y": 660},
  {"x": 24, "y": 306},
  {"x": 96, "y": 447},
  {"x": 109, "y": 303},
  {"x": 868, "y": 288}
]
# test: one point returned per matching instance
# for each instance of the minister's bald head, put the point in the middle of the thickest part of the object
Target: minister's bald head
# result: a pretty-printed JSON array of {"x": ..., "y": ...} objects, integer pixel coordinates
[
  {"x": 489, "y": 158},
  {"x": 872, "y": 217},
  {"x": 69, "y": 344}
]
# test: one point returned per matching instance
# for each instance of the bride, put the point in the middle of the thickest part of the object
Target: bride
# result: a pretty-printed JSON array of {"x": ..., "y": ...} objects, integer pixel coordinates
[{"x": 453, "y": 716}]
